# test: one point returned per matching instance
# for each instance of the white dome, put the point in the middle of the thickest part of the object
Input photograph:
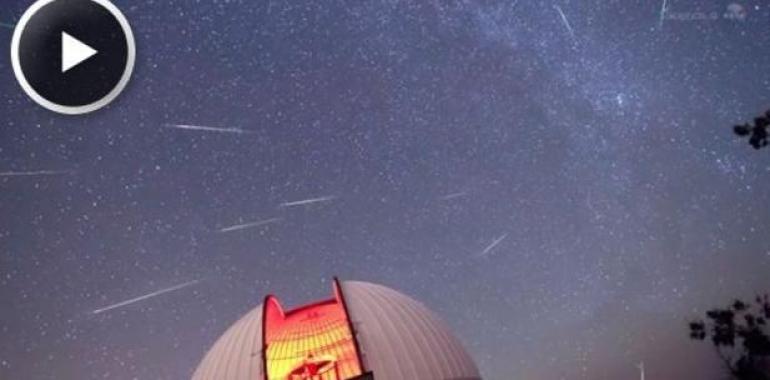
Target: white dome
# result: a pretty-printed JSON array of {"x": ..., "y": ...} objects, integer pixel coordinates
[
  {"x": 401, "y": 339},
  {"x": 236, "y": 354},
  {"x": 396, "y": 338}
]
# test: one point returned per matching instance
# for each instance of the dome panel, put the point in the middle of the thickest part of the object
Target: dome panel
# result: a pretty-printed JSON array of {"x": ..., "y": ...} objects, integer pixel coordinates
[
  {"x": 236, "y": 354},
  {"x": 401, "y": 339}
]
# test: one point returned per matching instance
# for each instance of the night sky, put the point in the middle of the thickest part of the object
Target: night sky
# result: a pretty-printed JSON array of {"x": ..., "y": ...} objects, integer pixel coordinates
[{"x": 590, "y": 140}]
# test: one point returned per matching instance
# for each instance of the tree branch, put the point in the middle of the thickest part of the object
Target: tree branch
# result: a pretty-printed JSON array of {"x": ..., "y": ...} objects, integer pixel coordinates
[{"x": 728, "y": 361}]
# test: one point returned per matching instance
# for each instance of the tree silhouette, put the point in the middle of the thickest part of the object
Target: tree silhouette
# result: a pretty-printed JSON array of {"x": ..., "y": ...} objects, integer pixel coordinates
[
  {"x": 738, "y": 333},
  {"x": 758, "y": 135}
]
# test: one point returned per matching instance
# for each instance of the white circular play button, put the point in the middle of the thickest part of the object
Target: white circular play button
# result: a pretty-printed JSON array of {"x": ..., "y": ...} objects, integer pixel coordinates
[
  {"x": 73, "y": 51},
  {"x": 73, "y": 56}
]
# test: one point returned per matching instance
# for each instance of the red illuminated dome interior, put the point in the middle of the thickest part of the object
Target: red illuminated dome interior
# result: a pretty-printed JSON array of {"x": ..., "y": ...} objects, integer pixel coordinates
[{"x": 311, "y": 342}]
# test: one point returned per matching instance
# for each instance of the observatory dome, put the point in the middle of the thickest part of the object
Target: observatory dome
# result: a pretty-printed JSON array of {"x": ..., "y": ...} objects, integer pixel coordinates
[{"x": 365, "y": 331}]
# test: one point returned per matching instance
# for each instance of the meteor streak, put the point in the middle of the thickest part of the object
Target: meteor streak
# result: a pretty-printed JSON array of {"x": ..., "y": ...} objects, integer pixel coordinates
[
  {"x": 663, "y": 9},
  {"x": 34, "y": 173},
  {"x": 203, "y": 128},
  {"x": 453, "y": 196},
  {"x": 250, "y": 225},
  {"x": 7, "y": 25},
  {"x": 492, "y": 245},
  {"x": 565, "y": 21},
  {"x": 308, "y": 201},
  {"x": 144, "y": 297}
]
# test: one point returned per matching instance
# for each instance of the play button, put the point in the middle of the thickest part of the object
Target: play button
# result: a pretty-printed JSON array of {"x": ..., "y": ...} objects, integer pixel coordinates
[
  {"x": 73, "y": 56},
  {"x": 73, "y": 52}
]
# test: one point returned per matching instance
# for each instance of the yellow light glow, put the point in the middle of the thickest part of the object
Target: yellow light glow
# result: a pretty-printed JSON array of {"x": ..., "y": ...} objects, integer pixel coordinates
[{"x": 310, "y": 343}]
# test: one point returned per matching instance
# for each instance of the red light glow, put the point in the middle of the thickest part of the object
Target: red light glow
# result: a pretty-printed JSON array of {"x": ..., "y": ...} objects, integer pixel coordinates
[{"x": 311, "y": 342}]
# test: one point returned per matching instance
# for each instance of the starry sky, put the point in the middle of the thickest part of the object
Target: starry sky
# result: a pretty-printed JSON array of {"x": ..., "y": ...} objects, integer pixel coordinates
[{"x": 558, "y": 180}]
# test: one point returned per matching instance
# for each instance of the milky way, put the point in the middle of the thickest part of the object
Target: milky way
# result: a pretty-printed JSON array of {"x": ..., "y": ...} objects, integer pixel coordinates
[{"x": 593, "y": 136}]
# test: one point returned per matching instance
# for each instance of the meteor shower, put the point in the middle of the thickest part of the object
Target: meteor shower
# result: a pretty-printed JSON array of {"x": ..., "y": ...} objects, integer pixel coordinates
[{"x": 388, "y": 190}]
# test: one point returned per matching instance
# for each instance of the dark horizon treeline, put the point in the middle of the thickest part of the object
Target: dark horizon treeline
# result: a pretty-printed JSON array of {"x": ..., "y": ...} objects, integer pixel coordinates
[
  {"x": 738, "y": 332},
  {"x": 757, "y": 133}
]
